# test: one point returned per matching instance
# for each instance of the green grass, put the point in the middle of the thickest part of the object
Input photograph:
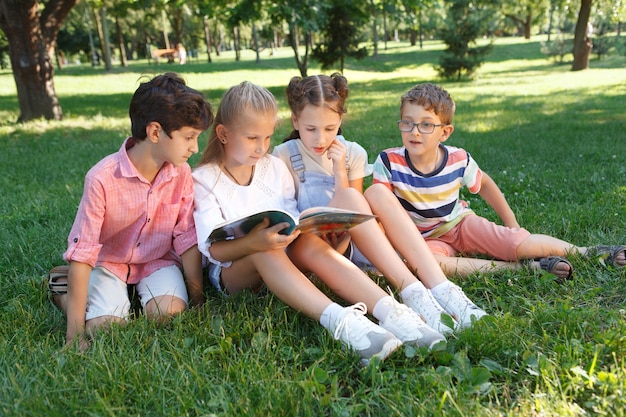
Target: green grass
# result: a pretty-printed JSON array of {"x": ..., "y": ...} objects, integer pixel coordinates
[{"x": 554, "y": 141}]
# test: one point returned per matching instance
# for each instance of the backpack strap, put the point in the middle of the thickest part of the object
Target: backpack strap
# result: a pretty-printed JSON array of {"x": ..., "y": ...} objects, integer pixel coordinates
[{"x": 296, "y": 159}]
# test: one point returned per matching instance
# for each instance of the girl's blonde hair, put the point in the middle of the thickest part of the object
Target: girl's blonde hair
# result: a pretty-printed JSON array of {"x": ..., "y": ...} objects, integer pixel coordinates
[
  {"x": 317, "y": 90},
  {"x": 242, "y": 99}
]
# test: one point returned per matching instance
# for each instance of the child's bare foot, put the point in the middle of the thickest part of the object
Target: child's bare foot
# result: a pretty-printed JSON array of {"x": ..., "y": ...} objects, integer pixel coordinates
[
  {"x": 556, "y": 265},
  {"x": 612, "y": 255}
]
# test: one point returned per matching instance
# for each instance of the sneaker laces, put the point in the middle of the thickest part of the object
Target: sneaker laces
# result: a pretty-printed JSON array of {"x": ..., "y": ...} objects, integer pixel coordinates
[
  {"x": 402, "y": 315},
  {"x": 430, "y": 309},
  {"x": 454, "y": 297},
  {"x": 454, "y": 291},
  {"x": 355, "y": 310}
]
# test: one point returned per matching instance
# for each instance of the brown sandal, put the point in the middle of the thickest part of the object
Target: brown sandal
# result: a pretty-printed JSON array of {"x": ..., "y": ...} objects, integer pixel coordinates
[
  {"x": 606, "y": 253},
  {"x": 52, "y": 284},
  {"x": 549, "y": 263}
]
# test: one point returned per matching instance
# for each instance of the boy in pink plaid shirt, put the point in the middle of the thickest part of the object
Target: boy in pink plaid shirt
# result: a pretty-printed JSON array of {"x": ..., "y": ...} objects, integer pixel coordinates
[{"x": 135, "y": 224}]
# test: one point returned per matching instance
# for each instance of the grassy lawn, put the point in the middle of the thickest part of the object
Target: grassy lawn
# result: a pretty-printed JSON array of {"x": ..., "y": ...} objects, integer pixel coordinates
[{"x": 551, "y": 138}]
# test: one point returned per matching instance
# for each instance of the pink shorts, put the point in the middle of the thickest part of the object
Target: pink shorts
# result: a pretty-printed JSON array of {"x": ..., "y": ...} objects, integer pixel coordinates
[{"x": 475, "y": 235}]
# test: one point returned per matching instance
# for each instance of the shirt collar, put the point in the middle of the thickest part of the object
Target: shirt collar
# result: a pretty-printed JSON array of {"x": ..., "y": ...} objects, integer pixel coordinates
[{"x": 128, "y": 169}]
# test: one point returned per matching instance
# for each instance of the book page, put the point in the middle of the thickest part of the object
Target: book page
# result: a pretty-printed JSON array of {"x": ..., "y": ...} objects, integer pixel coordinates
[{"x": 323, "y": 220}]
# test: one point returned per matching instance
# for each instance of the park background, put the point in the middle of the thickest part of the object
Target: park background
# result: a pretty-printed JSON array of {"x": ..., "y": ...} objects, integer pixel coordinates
[{"x": 553, "y": 140}]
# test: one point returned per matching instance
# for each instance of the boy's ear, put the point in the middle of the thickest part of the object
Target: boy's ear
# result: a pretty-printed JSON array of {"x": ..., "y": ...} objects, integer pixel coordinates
[
  {"x": 152, "y": 131},
  {"x": 446, "y": 132}
]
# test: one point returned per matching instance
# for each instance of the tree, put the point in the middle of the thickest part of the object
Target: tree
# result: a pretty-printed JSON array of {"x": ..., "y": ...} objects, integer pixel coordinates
[
  {"x": 31, "y": 31},
  {"x": 582, "y": 43},
  {"x": 340, "y": 34},
  {"x": 4, "y": 51},
  {"x": 524, "y": 14},
  {"x": 301, "y": 17},
  {"x": 465, "y": 23},
  {"x": 414, "y": 17}
]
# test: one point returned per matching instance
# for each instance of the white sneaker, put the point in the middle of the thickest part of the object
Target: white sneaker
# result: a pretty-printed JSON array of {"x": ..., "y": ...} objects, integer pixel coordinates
[
  {"x": 364, "y": 336},
  {"x": 456, "y": 303},
  {"x": 409, "y": 327},
  {"x": 424, "y": 304}
]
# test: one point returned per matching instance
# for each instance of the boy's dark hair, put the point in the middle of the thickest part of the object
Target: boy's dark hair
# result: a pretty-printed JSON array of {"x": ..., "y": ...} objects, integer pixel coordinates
[{"x": 167, "y": 100}]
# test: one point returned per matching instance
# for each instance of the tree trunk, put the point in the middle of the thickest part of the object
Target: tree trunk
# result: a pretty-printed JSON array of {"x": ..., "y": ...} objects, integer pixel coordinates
[
  {"x": 207, "y": 36},
  {"x": 100, "y": 18},
  {"x": 374, "y": 30},
  {"x": 255, "y": 40},
  {"x": 528, "y": 24},
  {"x": 421, "y": 28},
  {"x": 294, "y": 41},
  {"x": 120, "y": 42},
  {"x": 385, "y": 34},
  {"x": 31, "y": 34},
  {"x": 582, "y": 43},
  {"x": 237, "y": 41}
]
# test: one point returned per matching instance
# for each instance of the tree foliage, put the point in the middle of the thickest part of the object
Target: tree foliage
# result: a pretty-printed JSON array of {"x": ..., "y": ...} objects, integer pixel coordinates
[
  {"x": 341, "y": 35},
  {"x": 465, "y": 23},
  {"x": 525, "y": 13},
  {"x": 329, "y": 31},
  {"x": 31, "y": 28},
  {"x": 301, "y": 18}
]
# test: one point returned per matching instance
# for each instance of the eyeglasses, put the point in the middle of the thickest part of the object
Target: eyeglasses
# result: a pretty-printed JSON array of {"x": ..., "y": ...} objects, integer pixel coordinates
[{"x": 422, "y": 127}]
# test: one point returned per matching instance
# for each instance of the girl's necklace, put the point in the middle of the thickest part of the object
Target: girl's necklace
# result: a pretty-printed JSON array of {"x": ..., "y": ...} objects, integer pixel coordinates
[{"x": 230, "y": 174}]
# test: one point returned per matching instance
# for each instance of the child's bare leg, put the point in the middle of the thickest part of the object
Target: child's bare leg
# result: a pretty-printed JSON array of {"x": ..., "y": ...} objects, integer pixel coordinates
[
  {"x": 403, "y": 235},
  {"x": 463, "y": 267},
  {"x": 540, "y": 246},
  {"x": 60, "y": 301},
  {"x": 406, "y": 239},
  {"x": 310, "y": 253},
  {"x": 372, "y": 242},
  {"x": 164, "y": 306},
  {"x": 289, "y": 284},
  {"x": 281, "y": 277}
]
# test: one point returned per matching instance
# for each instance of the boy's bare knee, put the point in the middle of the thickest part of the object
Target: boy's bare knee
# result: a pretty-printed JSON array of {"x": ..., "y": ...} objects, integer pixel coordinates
[{"x": 164, "y": 306}]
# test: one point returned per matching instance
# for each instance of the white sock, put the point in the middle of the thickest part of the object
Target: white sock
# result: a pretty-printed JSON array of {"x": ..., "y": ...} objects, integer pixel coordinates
[
  {"x": 441, "y": 288},
  {"x": 330, "y": 315},
  {"x": 382, "y": 307},
  {"x": 413, "y": 288}
]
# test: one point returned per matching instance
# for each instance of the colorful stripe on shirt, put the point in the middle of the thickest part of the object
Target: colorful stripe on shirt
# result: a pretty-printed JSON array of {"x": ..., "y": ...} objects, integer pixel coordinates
[{"x": 431, "y": 199}]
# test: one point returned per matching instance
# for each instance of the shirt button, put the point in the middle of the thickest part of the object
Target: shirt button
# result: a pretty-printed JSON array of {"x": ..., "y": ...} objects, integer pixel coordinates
[
  {"x": 75, "y": 239},
  {"x": 138, "y": 244}
]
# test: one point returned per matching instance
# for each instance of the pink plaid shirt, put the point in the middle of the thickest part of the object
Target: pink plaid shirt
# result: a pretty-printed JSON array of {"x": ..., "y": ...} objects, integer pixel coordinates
[{"x": 128, "y": 225}]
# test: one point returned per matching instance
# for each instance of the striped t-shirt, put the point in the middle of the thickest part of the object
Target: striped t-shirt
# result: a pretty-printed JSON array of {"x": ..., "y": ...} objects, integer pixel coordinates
[{"x": 431, "y": 199}]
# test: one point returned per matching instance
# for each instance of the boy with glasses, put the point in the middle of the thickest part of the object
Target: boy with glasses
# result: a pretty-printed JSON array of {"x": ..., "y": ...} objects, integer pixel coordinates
[{"x": 425, "y": 177}]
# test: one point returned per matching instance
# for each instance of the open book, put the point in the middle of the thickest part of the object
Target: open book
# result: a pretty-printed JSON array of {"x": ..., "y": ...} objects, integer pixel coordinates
[{"x": 319, "y": 220}]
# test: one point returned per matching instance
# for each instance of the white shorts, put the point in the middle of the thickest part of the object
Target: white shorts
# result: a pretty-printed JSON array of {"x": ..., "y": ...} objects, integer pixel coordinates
[{"x": 108, "y": 295}]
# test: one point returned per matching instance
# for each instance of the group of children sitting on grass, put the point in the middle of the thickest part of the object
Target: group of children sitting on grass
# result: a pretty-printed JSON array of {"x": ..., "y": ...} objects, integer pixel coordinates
[{"x": 145, "y": 217}]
